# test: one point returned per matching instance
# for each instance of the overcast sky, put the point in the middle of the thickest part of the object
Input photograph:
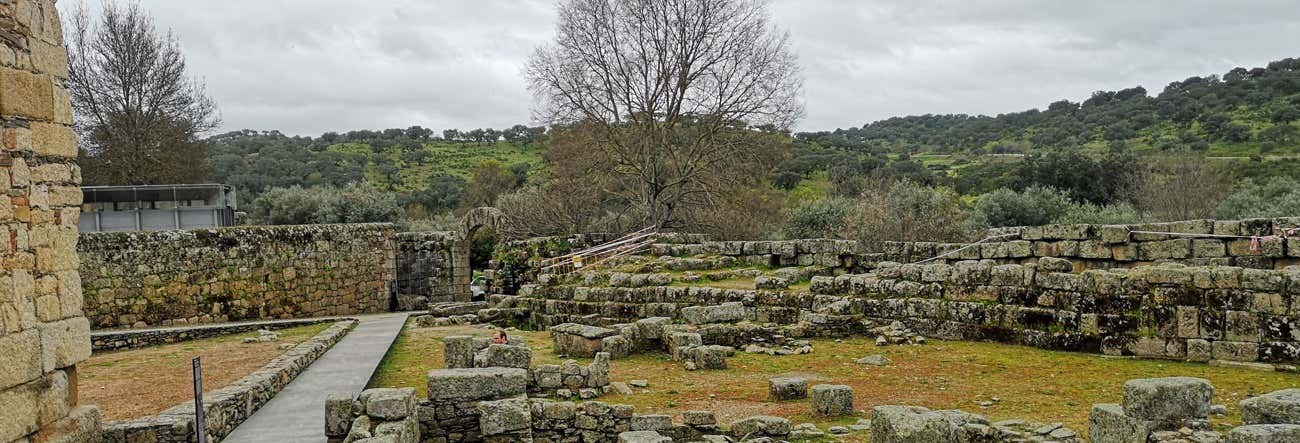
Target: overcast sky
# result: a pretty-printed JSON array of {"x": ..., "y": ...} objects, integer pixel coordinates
[{"x": 310, "y": 66}]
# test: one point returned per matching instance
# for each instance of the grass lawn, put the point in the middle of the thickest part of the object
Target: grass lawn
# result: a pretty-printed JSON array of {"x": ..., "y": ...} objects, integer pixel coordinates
[
  {"x": 141, "y": 382},
  {"x": 1029, "y": 383}
]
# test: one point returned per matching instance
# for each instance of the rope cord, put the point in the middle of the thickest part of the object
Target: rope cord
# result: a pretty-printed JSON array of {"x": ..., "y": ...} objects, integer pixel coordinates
[{"x": 954, "y": 251}]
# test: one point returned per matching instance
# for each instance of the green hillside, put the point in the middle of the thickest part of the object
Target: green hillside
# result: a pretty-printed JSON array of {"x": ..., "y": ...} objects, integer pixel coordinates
[{"x": 390, "y": 160}]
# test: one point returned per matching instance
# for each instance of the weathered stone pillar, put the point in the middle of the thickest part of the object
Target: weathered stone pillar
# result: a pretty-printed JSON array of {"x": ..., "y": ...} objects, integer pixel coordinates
[{"x": 43, "y": 333}]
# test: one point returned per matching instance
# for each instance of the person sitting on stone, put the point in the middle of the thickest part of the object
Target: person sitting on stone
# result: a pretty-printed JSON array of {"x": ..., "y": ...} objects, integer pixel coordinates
[{"x": 499, "y": 337}]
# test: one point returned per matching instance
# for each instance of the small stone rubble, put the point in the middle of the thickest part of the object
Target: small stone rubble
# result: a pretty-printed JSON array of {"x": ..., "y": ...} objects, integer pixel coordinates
[
  {"x": 263, "y": 335},
  {"x": 896, "y": 333}
]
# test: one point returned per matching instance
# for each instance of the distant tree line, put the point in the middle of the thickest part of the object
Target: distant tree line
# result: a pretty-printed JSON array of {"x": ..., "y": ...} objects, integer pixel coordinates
[{"x": 1243, "y": 105}]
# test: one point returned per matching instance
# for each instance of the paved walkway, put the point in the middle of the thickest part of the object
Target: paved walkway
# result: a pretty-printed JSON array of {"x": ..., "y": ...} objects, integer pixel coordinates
[{"x": 298, "y": 412}]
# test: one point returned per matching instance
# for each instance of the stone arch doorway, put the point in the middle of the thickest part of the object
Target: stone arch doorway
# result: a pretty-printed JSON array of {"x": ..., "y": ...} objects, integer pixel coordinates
[{"x": 475, "y": 222}]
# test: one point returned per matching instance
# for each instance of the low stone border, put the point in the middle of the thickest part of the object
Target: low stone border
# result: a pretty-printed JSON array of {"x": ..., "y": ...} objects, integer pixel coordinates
[
  {"x": 227, "y": 407},
  {"x": 117, "y": 340}
]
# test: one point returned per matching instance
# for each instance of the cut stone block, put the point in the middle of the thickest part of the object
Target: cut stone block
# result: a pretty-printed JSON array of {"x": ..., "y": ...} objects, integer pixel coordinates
[
  {"x": 504, "y": 416},
  {"x": 787, "y": 388},
  {"x": 505, "y": 356},
  {"x": 832, "y": 400},
  {"x": 1108, "y": 424},
  {"x": 1168, "y": 399},
  {"x": 1264, "y": 434},
  {"x": 642, "y": 437},
  {"x": 730, "y": 312},
  {"x": 576, "y": 340},
  {"x": 1279, "y": 407},
  {"x": 476, "y": 383}
]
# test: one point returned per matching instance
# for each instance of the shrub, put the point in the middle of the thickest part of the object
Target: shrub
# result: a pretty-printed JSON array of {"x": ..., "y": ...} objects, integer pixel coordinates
[
  {"x": 354, "y": 203},
  {"x": 1115, "y": 214},
  {"x": 1277, "y": 197},
  {"x": 816, "y": 218},
  {"x": 907, "y": 211},
  {"x": 1036, "y": 205}
]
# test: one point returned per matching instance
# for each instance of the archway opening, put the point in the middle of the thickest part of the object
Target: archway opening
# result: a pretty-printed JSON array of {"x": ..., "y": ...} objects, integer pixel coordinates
[{"x": 482, "y": 242}]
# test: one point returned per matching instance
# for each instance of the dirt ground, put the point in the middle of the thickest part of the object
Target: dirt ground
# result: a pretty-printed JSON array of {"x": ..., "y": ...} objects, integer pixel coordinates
[
  {"x": 1022, "y": 382},
  {"x": 141, "y": 382}
]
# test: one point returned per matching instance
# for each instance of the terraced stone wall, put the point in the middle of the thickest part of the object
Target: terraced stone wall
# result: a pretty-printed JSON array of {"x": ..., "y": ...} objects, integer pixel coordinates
[
  {"x": 1165, "y": 311},
  {"x": 43, "y": 331},
  {"x": 1255, "y": 243},
  {"x": 163, "y": 278}
]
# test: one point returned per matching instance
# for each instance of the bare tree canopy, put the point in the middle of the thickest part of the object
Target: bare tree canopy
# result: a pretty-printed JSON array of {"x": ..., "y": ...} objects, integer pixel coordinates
[
  {"x": 138, "y": 115},
  {"x": 673, "y": 92}
]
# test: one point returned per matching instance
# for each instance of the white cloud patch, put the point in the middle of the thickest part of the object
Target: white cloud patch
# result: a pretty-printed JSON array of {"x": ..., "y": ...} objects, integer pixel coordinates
[{"x": 310, "y": 66}]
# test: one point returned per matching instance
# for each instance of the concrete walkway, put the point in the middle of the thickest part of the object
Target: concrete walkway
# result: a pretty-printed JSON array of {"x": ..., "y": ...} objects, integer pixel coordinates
[{"x": 298, "y": 412}]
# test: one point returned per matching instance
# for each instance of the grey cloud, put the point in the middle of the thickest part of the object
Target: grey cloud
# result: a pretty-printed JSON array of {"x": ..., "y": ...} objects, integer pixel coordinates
[{"x": 309, "y": 66}]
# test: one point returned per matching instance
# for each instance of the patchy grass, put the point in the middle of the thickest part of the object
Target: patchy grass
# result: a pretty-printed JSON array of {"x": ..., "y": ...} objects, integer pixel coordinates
[
  {"x": 418, "y": 350},
  {"x": 141, "y": 382},
  {"x": 1033, "y": 384}
]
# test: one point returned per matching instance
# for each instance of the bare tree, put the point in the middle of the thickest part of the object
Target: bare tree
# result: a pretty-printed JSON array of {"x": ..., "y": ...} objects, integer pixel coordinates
[
  {"x": 138, "y": 114},
  {"x": 673, "y": 91},
  {"x": 1181, "y": 189}
]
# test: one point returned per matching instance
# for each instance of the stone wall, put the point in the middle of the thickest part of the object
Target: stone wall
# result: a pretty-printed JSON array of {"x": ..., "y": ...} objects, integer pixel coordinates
[
  {"x": 43, "y": 332},
  {"x": 426, "y": 269},
  {"x": 1165, "y": 311},
  {"x": 1253, "y": 243},
  {"x": 163, "y": 278}
]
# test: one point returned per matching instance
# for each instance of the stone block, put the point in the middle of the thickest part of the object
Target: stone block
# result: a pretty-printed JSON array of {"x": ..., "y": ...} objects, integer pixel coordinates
[
  {"x": 459, "y": 350},
  {"x": 1278, "y": 407},
  {"x": 642, "y": 437},
  {"x": 389, "y": 403},
  {"x": 506, "y": 416},
  {"x": 577, "y": 340},
  {"x": 1169, "y": 399},
  {"x": 64, "y": 343},
  {"x": 81, "y": 425},
  {"x": 19, "y": 415},
  {"x": 26, "y": 95},
  {"x": 1108, "y": 424},
  {"x": 1264, "y": 434},
  {"x": 467, "y": 384},
  {"x": 506, "y": 356},
  {"x": 761, "y": 426},
  {"x": 22, "y": 360},
  {"x": 652, "y": 422},
  {"x": 1112, "y": 234},
  {"x": 787, "y": 388},
  {"x": 832, "y": 400},
  {"x": 710, "y": 357},
  {"x": 1234, "y": 350},
  {"x": 1164, "y": 250},
  {"x": 338, "y": 414},
  {"x": 617, "y": 346},
  {"x": 729, "y": 312},
  {"x": 914, "y": 424},
  {"x": 53, "y": 140},
  {"x": 699, "y": 418}
]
